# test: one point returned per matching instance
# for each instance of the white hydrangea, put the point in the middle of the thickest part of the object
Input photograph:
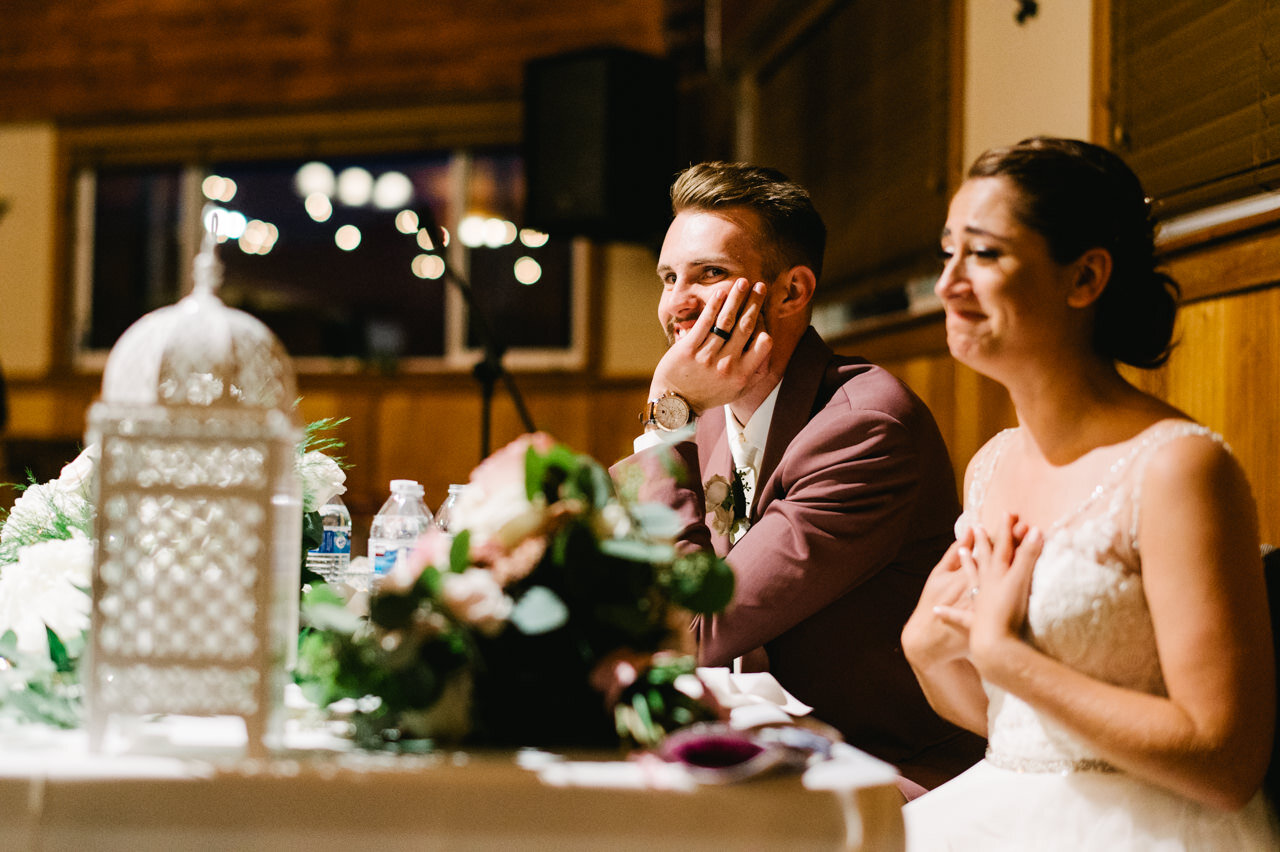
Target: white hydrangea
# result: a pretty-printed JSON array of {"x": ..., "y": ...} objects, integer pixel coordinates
[
  {"x": 47, "y": 587},
  {"x": 54, "y": 509}
]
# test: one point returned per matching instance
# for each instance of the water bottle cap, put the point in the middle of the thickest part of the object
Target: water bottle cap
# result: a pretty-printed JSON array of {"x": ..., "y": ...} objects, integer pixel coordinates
[
  {"x": 457, "y": 489},
  {"x": 408, "y": 486}
]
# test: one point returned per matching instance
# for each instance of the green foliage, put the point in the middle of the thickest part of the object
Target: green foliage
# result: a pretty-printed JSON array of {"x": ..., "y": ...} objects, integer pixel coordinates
[
  {"x": 701, "y": 582},
  {"x": 605, "y": 582},
  {"x": 41, "y": 688},
  {"x": 652, "y": 706},
  {"x": 314, "y": 439}
]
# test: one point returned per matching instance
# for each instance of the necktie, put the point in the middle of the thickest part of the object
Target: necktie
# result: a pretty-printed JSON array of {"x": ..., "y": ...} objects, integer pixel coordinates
[{"x": 745, "y": 470}]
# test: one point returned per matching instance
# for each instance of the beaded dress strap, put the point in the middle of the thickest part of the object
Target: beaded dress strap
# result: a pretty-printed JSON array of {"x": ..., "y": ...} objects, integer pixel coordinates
[
  {"x": 984, "y": 468},
  {"x": 1156, "y": 437}
]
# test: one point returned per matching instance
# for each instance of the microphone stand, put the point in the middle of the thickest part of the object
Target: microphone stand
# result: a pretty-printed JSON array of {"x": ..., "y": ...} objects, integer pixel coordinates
[{"x": 488, "y": 370}]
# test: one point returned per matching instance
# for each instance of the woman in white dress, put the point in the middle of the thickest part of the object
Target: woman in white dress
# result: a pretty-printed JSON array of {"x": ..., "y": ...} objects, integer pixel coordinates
[{"x": 1102, "y": 616}]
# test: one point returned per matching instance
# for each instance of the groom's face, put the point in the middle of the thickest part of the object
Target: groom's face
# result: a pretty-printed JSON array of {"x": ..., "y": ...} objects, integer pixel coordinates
[{"x": 705, "y": 252}]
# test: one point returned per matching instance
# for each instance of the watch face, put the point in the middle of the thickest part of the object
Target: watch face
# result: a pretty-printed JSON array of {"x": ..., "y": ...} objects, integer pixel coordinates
[{"x": 671, "y": 412}]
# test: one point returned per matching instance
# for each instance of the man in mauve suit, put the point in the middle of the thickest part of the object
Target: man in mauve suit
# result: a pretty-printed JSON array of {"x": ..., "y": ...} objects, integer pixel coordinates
[{"x": 831, "y": 492}]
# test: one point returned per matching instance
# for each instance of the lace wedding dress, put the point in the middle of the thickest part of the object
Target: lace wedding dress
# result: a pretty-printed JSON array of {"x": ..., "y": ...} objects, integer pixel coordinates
[{"x": 1040, "y": 787}]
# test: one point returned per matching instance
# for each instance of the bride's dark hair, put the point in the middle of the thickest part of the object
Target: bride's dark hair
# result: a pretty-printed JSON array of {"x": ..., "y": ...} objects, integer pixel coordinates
[{"x": 1080, "y": 196}]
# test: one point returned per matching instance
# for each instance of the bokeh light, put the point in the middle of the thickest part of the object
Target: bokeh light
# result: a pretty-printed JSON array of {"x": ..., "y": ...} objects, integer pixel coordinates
[
  {"x": 347, "y": 237},
  {"x": 528, "y": 271},
  {"x": 392, "y": 190},
  {"x": 318, "y": 206},
  {"x": 218, "y": 188},
  {"x": 259, "y": 237},
  {"x": 471, "y": 231},
  {"x": 314, "y": 177},
  {"x": 225, "y": 224},
  {"x": 428, "y": 266},
  {"x": 407, "y": 221},
  {"x": 355, "y": 186},
  {"x": 532, "y": 238}
]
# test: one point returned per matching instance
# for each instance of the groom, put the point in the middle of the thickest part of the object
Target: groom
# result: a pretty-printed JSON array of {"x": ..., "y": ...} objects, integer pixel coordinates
[{"x": 831, "y": 493}]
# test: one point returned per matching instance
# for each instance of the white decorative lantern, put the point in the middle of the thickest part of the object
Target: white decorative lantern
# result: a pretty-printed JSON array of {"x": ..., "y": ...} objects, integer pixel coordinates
[{"x": 198, "y": 521}]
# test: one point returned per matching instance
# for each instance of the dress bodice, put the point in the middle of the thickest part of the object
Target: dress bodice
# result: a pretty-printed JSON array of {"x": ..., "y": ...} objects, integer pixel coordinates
[{"x": 1087, "y": 606}]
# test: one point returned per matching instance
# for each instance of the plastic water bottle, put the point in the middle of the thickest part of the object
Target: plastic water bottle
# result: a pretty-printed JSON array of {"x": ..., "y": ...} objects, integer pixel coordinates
[
  {"x": 331, "y": 559},
  {"x": 397, "y": 526},
  {"x": 446, "y": 515}
]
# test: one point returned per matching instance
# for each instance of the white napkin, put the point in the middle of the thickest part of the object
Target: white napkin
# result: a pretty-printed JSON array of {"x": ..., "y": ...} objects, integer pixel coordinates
[
  {"x": 752, "y": 698},
  {"x": 849, "y": 768}
]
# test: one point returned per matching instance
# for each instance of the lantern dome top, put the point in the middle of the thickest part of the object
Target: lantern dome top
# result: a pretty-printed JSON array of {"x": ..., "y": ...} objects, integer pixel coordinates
[{"x": 200, "y": 352}]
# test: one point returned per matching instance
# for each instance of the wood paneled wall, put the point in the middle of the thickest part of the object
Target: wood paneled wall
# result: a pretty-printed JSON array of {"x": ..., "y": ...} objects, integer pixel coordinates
[
  {"x": 117, "y": 59},
  {"x": 415, "y": 427}
]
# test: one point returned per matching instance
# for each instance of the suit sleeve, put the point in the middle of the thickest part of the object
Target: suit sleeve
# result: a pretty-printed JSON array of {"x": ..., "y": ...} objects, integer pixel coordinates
[
  {"x": 839, "y": 509},
  {"x": 668, "y": 474}
]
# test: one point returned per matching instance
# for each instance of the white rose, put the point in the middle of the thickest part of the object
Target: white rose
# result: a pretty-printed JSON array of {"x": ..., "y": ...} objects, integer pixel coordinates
[
  {"x": 47, "y": 586},
  {"x": 322, "y": 479},
  {"x": 717, "y": 491},
  {"x": 612, "y": 521},
  {"x": 77, "y": 474},
  {"x": 475, "y": 597},
  {"x": 721, "y": 520}
]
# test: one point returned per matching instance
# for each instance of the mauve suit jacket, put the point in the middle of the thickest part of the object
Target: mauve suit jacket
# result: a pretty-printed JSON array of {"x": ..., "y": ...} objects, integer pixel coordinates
[{"x": 854, "y": 505}]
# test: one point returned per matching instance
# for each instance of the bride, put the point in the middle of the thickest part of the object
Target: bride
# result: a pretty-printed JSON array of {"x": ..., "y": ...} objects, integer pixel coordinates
[{"x": 1101, "y": 617}]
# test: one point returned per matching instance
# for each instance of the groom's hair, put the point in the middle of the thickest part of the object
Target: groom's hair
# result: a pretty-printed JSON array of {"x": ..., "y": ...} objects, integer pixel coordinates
[{"x": 793, "y": 230}]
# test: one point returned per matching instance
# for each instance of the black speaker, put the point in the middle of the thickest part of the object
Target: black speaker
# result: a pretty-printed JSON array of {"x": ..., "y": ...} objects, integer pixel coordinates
[{"x": 599, "y": 144}]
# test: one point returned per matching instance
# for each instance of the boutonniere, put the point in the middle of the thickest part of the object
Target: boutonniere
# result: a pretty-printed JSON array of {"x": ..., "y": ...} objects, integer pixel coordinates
[{"x": 726, "y": 504}]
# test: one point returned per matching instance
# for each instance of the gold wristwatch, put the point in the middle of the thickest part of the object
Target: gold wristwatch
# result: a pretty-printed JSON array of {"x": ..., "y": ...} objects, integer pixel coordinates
[{"x": 668, "y": 412}]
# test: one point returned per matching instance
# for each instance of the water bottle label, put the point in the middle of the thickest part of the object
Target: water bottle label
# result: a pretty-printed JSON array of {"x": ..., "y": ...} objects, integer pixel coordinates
[
  {"x": 384, "y": 559},
  {"x": 335, "y": 541}
]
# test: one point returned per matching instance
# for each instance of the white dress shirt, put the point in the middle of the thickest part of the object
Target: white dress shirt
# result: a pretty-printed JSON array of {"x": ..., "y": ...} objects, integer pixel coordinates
[{"x": 746, "y": 443}]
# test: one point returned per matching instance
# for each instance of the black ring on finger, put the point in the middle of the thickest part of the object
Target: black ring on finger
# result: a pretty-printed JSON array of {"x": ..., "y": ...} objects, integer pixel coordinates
[{"x": 721, "y": 333}]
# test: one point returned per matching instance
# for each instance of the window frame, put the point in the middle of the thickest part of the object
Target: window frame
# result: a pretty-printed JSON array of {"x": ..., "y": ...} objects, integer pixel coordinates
[{"x": 459, "y": 128}]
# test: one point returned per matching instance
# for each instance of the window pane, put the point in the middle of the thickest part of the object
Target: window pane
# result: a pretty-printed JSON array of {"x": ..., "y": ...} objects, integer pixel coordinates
[
  {"x": 335, "y": 256},
  {"x": 522, "y": 285},
  {"x": 137, "y": 215},
  {"x": 336, "y": 274}
]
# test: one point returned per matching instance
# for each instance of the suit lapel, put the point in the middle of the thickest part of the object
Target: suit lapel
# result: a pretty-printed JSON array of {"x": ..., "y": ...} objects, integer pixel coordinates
[
  {"x": 715, "y": 458},
  {"x": 800, "y": 385}
]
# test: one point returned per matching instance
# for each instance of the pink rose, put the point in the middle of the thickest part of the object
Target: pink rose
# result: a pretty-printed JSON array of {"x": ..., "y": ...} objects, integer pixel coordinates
[
  {"x": 477, "y": 599},
  {"x": 495, "y": 506}
]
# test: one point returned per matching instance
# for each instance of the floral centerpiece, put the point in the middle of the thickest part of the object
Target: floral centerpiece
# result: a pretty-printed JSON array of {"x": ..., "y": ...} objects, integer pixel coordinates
[
  {"x": 46, "y": 565},
  {"x": 511, "y": 632}
]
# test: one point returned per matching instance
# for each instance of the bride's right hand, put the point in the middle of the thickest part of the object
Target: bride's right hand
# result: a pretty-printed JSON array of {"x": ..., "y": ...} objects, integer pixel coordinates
[{"x": 928, "y": 637}]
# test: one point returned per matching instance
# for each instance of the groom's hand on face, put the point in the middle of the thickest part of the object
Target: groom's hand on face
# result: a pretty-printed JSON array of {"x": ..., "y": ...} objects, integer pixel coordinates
[{"x": 724, "y": 351}]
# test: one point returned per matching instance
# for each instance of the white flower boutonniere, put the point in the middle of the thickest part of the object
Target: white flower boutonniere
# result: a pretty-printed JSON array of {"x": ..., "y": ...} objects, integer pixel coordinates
[{"x": 726, "y": 505}]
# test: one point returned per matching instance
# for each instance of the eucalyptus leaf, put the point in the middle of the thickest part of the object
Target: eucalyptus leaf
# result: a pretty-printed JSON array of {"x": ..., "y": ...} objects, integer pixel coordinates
[
  {"x": 538, "y": 611},
  {"x": 312, "y": 531},
  {"x": 58, "y": 652},
  {"x": 657, "y": 520},
  {"x": 460, "y": 552},
  {"x": 327, "y": 615},
  {"x": 634, "y": 550}
]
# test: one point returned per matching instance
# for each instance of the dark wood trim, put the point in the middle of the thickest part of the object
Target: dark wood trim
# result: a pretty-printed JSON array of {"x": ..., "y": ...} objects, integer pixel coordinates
[
  {"x": 363, "y": 131},
  {"x": 1101, "y": 114},
  {"x": 956, "y": 165}
]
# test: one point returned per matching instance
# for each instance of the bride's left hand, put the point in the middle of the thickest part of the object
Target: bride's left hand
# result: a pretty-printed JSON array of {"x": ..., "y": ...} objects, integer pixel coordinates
[{"x": 1003, "y": 564}]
